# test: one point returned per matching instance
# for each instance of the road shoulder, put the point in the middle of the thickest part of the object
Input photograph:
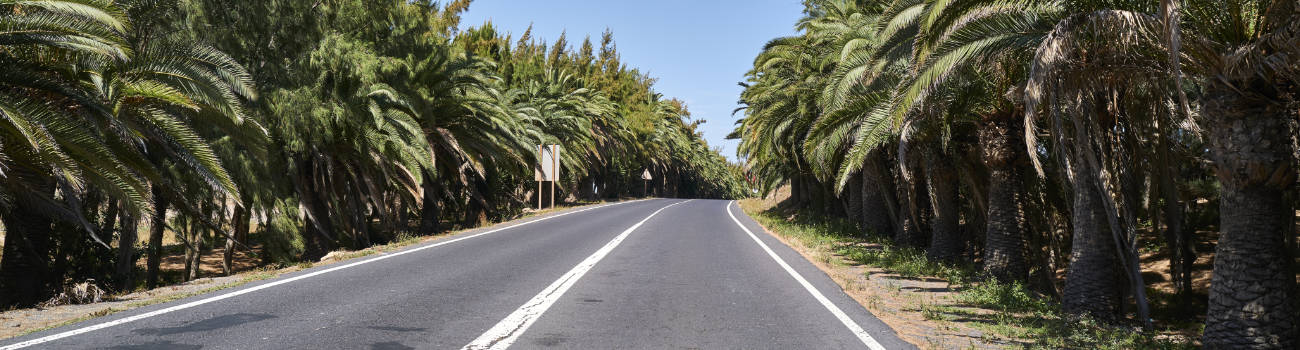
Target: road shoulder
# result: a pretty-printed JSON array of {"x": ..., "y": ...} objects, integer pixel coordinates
[
  {"x": 895, "y": 300},
  {"x": 20, "y": 322}
]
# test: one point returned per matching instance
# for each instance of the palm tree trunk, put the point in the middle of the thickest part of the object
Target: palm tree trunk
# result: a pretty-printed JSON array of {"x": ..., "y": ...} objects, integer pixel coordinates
[
  {"x": 228, "y": 256},
  {"x": 913, "y": 204},
  {"x": 796, "y": 193},
  {"x": 110, "y": 219},
  {"x": 239, "y": 222},
  {"x": 1252, "y": 301},
  {"x": 126, "y": 252},
  {"x": 196, "y": 262},
  {"x": 430, "y": 212},
  {"x": 946, "y": 242},
  {"x": 1092, "y": 283},
  {"x": 853, "y": 199},
  {"x": 319, "y": 231},
  {"x": 243, "y": 219},
  {"x": 24, "y": 269},
  {"x": 1179, "y": 245},
  {"x": 878, "y": 204},
  {"x": 193, "y": 250},
  {"x": 1004, "y": 239},
  {"x": 159, "y": 222}
]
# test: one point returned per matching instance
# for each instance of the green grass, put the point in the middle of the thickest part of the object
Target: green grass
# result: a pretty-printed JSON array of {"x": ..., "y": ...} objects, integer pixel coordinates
[{"x": 1010, "y": 311}]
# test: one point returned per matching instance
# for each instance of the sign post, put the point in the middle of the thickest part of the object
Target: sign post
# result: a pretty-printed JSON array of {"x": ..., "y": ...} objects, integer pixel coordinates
[
  {"x": 645, "y": 190},
  {"x": 548, "y": 169}
]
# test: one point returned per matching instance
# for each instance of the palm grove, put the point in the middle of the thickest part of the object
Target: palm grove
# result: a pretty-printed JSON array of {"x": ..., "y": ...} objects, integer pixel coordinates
[
  {"x": 1029, "y": 136},
  {"x": 294, "y": 128}
]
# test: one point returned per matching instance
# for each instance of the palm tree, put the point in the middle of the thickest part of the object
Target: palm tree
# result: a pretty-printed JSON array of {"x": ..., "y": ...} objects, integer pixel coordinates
[
  {"x": 46, "y": 144},
  {"x": 374, "y": 147},
  {"x": 1245, "y": 56},
  {"x": 956, "y": 45},
  {"x": 170, "y": 92},
  {"x": 780, "y": 108},
  {"x": 470, "y": 130},
  {"x": 849, "y": 134}
]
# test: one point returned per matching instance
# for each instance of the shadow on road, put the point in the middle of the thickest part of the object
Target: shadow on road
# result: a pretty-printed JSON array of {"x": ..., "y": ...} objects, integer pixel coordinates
[
  {"x": 214, "y": 323},
  {"x": 157, "y": 345},
  {"x": 392, "y": 345}
]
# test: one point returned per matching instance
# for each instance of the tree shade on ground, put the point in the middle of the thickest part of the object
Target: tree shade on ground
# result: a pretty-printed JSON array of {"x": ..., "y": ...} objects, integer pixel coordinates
[{"x": 1158, "y": 120}]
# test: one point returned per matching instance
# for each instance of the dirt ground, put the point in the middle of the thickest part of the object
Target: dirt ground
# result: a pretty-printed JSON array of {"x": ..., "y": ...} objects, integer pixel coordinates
[
  {"x": 210, "y": 262},
  {"x": 247, "y": 268}
]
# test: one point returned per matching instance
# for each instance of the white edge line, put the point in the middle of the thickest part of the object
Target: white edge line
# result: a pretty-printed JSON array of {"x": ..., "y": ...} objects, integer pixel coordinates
[
  {"x": 844, "y": 318},
  {"x": 506, "y": 332},
  {"x": 74, "y": 332}
]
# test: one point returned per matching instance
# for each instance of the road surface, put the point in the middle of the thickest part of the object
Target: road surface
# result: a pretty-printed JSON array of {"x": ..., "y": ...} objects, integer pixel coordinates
[{"x": 658, "y": 274}]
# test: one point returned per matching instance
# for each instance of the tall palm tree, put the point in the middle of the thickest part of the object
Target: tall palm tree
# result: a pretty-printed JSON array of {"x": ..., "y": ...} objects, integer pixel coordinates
[
  {"x": 374, "y": 146},
  {"x": 469, "y": 128},
  {"x": 45, "y": 141},
  {"x": 171, "y": 92},
  {"x": 1245, "y": 56},
  {"x": 977, "y": 47}
]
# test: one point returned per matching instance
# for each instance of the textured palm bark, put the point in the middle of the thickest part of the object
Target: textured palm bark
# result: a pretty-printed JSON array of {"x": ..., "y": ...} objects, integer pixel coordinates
[
  {"x": 876, "y": 207},
  {"x": 1252, "y": 299},
  {"x": 946, "y": 241},
  {"x": 1004, "y": 239},
  {"x": 1093, "y": 284}
]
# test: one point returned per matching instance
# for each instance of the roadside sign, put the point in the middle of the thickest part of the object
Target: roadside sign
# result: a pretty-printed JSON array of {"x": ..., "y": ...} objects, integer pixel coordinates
[
  {"x": 548, "y": 167},
  {"x": 645, "y": 189}
]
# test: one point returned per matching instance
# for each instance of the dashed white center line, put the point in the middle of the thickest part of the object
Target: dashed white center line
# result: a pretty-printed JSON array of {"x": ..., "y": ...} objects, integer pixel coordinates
[
  {"x": 506, "y": 332},
  {"x": 236, "y": 293}
]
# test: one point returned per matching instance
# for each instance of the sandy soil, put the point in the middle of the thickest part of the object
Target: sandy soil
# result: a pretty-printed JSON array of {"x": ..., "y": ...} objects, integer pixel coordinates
[
  {"x": 210, "y": 263},
  {"x": 22, "y": 321}
]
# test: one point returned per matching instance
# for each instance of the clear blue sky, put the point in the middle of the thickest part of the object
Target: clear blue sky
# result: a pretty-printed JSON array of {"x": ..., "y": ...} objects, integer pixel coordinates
[{"x": 698, "y": 49}]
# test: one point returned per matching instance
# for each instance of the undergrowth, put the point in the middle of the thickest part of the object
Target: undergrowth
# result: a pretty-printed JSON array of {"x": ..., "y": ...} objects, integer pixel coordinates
[{"x": 1009, "y": 311}]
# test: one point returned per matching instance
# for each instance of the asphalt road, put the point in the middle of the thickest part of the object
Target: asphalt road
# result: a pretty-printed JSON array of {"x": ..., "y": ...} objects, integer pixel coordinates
[{"x": 655, "y": 274}]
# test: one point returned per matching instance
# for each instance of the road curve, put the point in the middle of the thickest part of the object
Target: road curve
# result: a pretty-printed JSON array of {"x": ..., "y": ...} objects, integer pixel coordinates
[{"x": 661, "y": 273}]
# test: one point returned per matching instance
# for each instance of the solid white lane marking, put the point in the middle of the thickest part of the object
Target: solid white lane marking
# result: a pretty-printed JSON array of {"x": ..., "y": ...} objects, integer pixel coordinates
[
  {"x": 509, "y": 329},
  {"x": 70, "y": 333},
  {"x": 835, "y": 310}
]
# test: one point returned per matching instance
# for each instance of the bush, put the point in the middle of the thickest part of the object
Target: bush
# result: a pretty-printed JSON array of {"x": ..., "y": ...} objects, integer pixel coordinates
[{"x": 281, "y": 237}]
